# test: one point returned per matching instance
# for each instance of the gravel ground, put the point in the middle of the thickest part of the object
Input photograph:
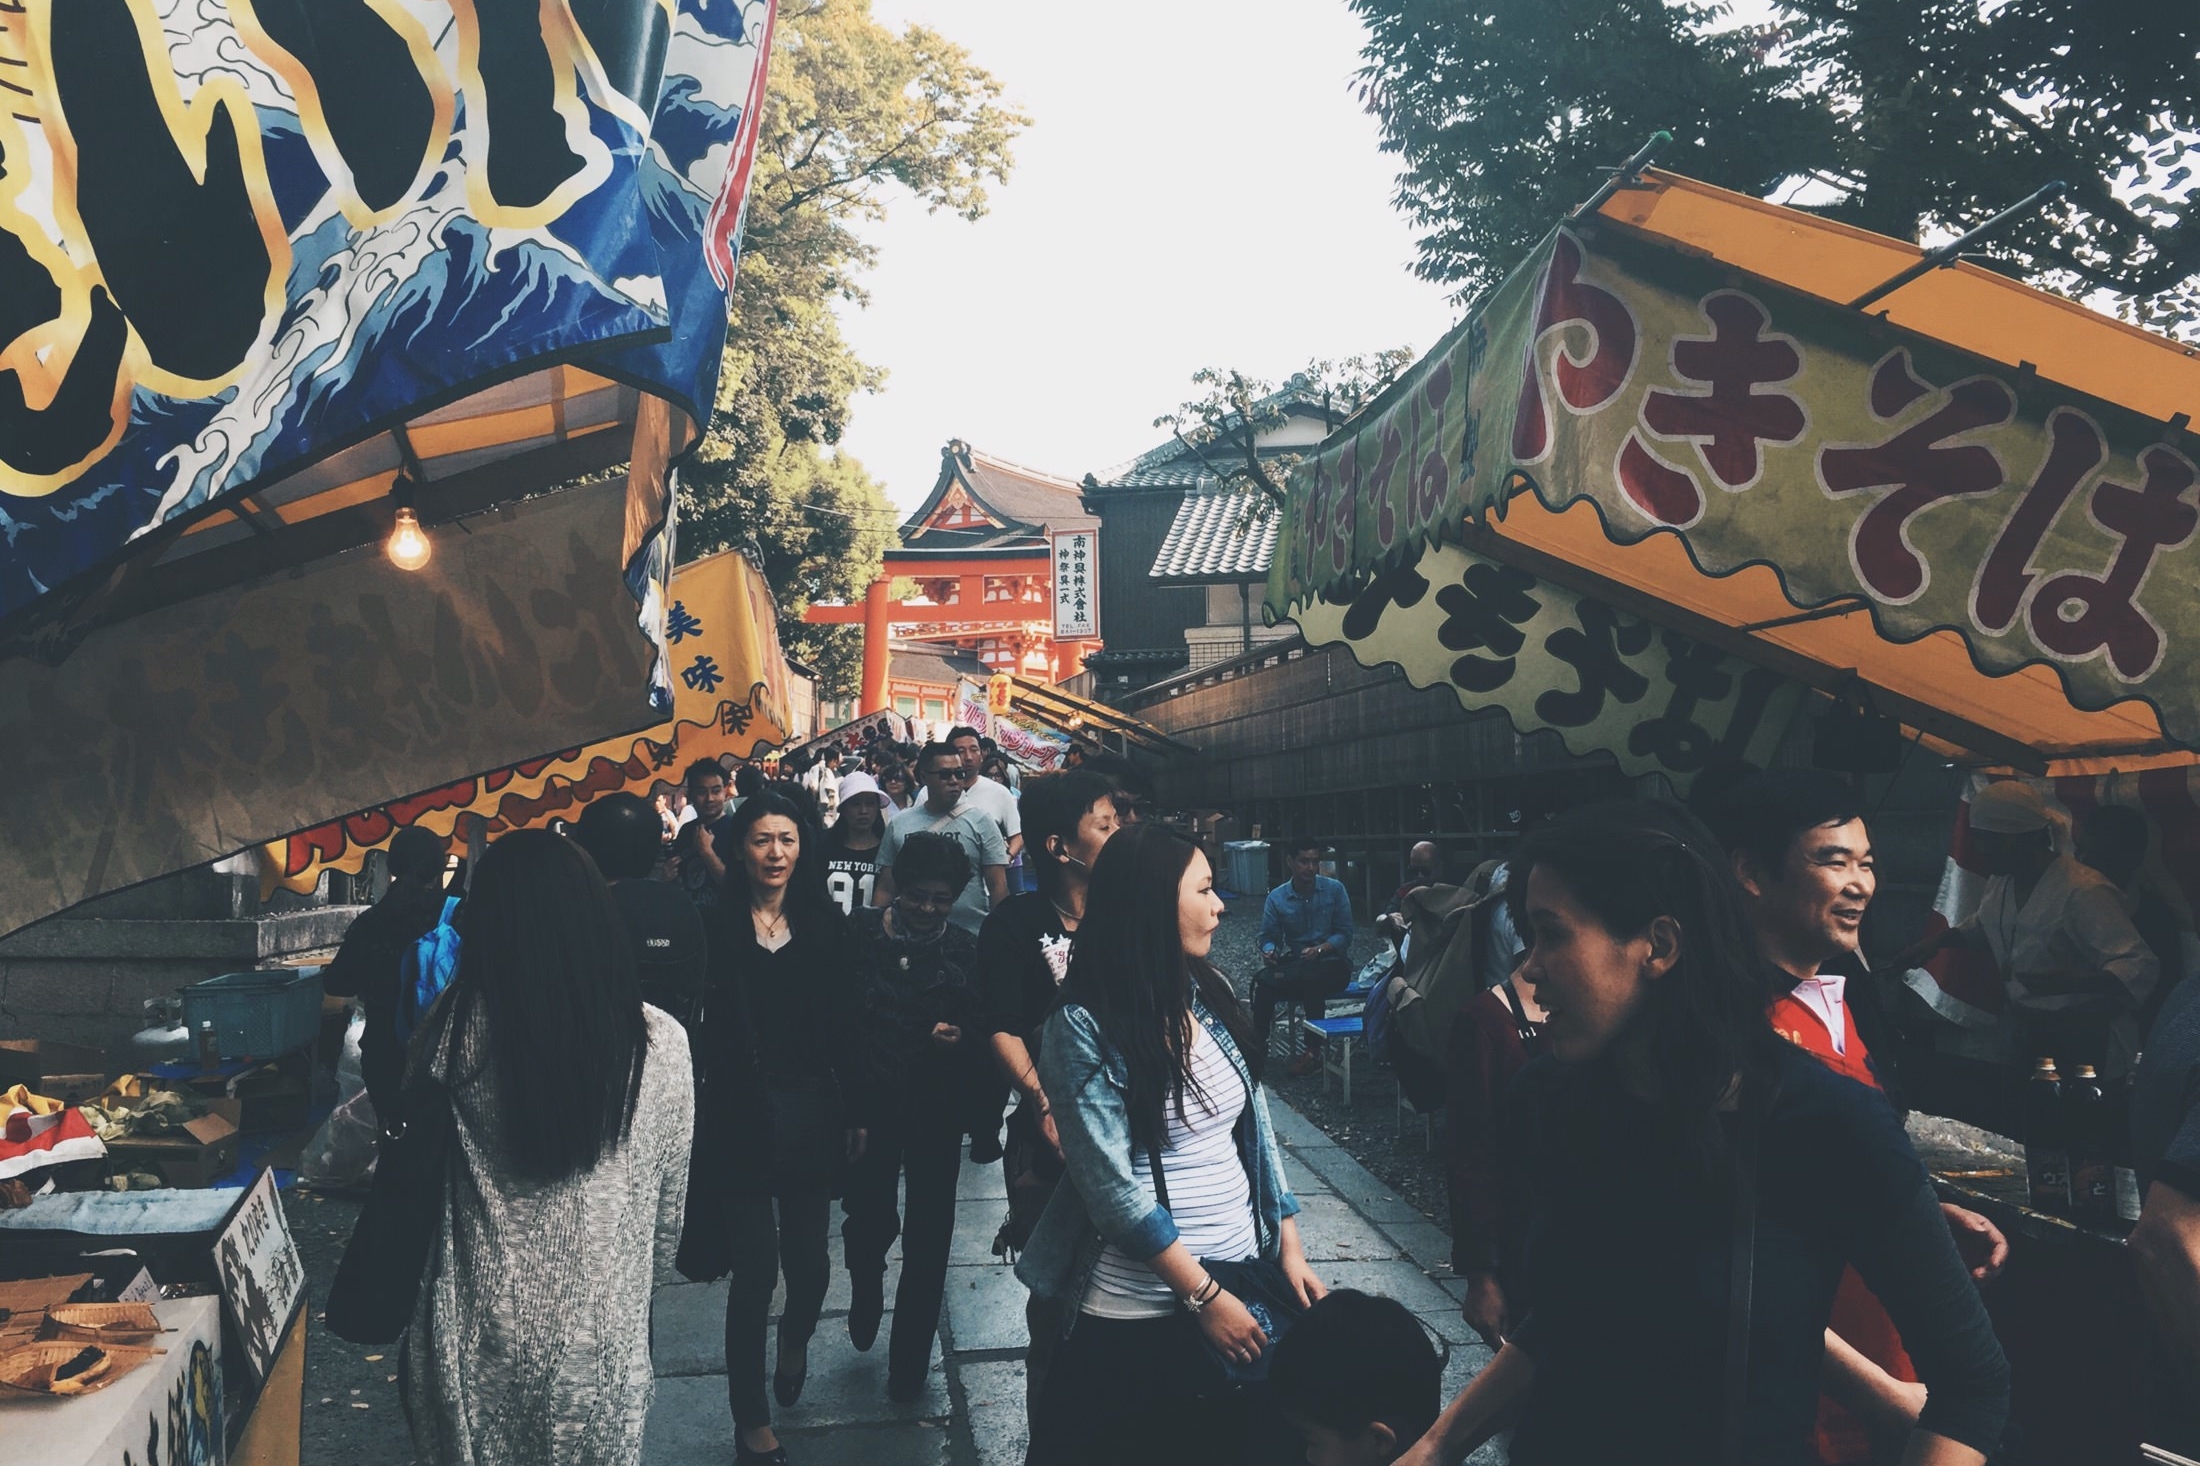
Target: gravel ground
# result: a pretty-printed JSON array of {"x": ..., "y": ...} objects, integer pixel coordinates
[{"x": 1368, "y": 1129}]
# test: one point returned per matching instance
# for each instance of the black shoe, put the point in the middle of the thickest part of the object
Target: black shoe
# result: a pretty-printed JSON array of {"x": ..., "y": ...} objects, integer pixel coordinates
[
  {"x": 743, "y": 1456},
  {"x": 866, "y": 1309},
  {"x": 985, "y": 1149},
  {"x": 905, "y": 1391},
  {"x": 787, "y": 1383}
]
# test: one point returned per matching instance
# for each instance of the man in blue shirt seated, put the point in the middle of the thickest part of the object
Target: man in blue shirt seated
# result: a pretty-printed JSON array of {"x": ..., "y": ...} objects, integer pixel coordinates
[{"x": 1305, "y": 930}]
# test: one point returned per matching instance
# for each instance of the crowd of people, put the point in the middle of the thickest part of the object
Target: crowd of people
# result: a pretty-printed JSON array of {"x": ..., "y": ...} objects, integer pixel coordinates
[{"x": 1690, "y": 1221}]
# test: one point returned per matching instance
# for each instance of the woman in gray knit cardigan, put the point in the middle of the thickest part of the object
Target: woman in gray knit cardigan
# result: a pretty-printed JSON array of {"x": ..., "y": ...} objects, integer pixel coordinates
[{"x": 575, "y": 1103}]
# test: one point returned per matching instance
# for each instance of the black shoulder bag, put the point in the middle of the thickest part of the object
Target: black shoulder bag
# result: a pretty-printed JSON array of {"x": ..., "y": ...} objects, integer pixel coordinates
[
  {"x": 1257, "y": 1283},
  {"x": 377, "y": 1285}
]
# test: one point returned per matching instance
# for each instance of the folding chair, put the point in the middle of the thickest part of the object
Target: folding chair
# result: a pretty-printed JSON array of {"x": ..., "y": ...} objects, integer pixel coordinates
[{"x": 1339, "y": 1037}]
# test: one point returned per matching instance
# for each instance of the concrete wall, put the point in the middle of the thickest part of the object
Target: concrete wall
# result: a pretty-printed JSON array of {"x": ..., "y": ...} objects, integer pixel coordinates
[{"x": 84, "y": 976}]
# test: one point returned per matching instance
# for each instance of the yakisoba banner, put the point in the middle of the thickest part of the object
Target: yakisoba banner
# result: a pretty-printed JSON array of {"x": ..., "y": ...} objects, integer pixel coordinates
[
  {"x": 730, "y": 699},
  {"x": 257, "y": 249},
  {"x": 1765, "y": 427}
]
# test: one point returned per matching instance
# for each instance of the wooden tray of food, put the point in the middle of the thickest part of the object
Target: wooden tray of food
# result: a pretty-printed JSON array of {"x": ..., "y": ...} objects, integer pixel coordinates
[
  {"x": 103, "y": 1323},
  {"x": 65, "y": 1367}
]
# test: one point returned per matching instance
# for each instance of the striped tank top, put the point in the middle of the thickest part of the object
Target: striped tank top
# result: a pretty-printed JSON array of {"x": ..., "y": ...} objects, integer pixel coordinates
[{"x": 1209, "y": 1197}]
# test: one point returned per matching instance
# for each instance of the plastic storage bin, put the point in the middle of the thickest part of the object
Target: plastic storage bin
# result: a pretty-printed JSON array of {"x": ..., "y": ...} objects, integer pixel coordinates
[
  {"x": 257, "y": 1015},
  {"x": 1245, "y": 867}
]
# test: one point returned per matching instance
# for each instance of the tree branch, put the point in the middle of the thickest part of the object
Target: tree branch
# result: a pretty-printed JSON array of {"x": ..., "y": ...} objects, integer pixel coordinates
[{"x": 867, "y": 172}]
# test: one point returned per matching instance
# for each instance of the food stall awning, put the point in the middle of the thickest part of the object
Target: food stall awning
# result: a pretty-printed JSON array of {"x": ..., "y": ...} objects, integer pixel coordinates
[
  {"x": 1081, "y": 717},
  {"x": 730, "y": 700},
  {"x": 1971, "y": 505},
  {"x": 272, "y": 282}
]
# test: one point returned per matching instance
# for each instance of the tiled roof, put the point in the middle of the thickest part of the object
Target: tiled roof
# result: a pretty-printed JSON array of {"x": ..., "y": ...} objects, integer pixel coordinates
[
  {"x": 915, "y": 661},
  {"x": 1022, "y": 495},
  {"x": 1219, "y": 535}
]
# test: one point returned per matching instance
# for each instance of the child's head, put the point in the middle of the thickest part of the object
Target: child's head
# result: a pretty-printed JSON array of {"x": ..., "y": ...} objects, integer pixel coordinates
[{"x": 1359, "y": 1379}]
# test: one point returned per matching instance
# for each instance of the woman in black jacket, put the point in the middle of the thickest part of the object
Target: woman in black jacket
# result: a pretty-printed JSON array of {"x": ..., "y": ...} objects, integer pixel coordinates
[
  {"x": 1665, "y": 1125},
  {"x": 775, "y": 1123}
]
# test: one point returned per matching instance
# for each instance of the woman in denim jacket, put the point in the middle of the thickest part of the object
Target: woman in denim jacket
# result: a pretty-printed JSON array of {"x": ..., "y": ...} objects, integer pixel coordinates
[{"x": 1146, "y": 1059}]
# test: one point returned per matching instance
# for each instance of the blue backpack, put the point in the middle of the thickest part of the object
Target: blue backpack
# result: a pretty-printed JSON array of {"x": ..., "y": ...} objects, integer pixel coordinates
[{"x": 426, "y": 970}]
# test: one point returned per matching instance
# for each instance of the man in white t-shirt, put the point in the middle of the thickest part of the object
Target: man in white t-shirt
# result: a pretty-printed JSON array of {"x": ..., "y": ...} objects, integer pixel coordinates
[
  {"x": 2077, "y": 970},
  {"x": 984, "y": 793}
]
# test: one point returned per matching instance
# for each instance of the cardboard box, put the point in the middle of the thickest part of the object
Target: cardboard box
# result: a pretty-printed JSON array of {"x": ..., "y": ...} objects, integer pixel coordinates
[
  {"x": 70, "y": 1073},
  {"x": 273, "y": 1100},
  {"x": 203, "y": 1154}
]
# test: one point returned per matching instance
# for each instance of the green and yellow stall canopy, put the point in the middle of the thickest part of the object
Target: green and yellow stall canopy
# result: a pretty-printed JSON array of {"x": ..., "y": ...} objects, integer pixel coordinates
[{"x": 1666, "y": 450}]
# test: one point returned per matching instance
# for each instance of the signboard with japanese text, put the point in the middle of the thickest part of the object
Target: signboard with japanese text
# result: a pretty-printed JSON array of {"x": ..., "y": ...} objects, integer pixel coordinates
[
  {"x": 263, "y": 1281},
  {"x": 730, "y": 696},
  {"x": 1602, "y": 680},
  {"x": 1767, "y": 427},
  {"x": 1075, "y": 563}
]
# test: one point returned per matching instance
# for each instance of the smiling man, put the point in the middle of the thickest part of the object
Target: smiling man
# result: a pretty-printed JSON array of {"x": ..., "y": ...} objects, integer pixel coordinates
[{"x": 1804, "y": 861}]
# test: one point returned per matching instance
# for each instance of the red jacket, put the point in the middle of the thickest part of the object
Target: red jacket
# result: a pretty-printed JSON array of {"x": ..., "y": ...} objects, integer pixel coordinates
[{"x": 1857, "y": 1316}]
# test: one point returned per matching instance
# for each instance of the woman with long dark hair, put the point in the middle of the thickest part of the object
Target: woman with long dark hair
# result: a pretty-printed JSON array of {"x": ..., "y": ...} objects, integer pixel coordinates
[
  {"x": 1697, "y": 1186},
  {"x": 573, "y": 1105},
  {"x": 775, "y": 1123},
  {"x": 1172, "y": 1165}
]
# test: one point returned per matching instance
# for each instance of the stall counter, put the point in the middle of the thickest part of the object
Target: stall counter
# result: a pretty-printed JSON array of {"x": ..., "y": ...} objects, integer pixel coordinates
[{"x": 168, "y": 1409}]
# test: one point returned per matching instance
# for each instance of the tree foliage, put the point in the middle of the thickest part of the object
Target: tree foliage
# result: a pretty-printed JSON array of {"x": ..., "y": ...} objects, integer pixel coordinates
[
  {"x": 1908, "y": 116},
  {"x": 855, "y": 116},
  {"x": 1224, "y": 423}
]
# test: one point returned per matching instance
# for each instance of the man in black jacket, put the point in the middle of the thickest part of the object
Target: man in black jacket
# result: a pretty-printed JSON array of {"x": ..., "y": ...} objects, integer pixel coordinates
[
  {"x": 368, "y": 965},
  {"x": 623, "y": 835}
]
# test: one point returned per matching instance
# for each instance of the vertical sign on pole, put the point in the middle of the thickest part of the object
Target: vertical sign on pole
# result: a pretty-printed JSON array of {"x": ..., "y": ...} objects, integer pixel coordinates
[{"x": 1075, "y": 561}]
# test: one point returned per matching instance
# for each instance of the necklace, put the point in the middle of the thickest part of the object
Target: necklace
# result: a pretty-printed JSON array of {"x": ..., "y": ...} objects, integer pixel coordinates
[
  {"x": 1069, "y": 918},
  {"x": 773, "y": 925}
]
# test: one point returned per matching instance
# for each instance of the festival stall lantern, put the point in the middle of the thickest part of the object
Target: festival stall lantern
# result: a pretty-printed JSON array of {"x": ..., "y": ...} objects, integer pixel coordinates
[
  {"x": 730, "y": 699},
  {"x": 1700, "y": 461},
  {"x": 303, "y": 316}
]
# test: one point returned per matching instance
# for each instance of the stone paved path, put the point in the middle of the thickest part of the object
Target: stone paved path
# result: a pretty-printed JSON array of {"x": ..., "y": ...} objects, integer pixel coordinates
[{"x": 1357, "y": 1233}]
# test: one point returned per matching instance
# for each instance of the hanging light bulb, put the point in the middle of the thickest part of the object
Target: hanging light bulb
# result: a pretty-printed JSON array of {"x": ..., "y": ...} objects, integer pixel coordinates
[{"x": 408, "y": 546}]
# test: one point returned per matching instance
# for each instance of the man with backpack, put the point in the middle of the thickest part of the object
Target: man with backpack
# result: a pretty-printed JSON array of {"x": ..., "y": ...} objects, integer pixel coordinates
[{"x": 1305, "y": 931}]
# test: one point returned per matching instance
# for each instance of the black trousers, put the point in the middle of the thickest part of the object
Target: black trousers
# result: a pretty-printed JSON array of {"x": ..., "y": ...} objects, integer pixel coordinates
[
  {"x": 1112, "y": 1396},
  {"x": 796, "y": 1238},
  {"x": 1297, "y": 980},
  {"x": 925, "y": 1145}
]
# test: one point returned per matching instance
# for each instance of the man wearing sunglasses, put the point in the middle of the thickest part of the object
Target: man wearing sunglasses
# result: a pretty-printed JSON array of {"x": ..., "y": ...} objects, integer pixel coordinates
[
  {"x": 987, "y": 794},
  {"x": 946, "y": 809}
]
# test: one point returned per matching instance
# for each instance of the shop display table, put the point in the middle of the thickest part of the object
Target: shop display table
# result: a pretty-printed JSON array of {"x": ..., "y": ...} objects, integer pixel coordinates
[{"x": 168, "y": 1409}]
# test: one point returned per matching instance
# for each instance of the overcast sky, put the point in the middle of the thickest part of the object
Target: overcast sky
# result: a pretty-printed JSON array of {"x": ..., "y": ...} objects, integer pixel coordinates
[{"x": 1199, "y": 186}]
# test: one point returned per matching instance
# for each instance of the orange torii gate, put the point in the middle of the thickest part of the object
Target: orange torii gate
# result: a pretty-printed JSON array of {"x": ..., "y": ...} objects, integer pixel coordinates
[{"x": 978, "y": 551}]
